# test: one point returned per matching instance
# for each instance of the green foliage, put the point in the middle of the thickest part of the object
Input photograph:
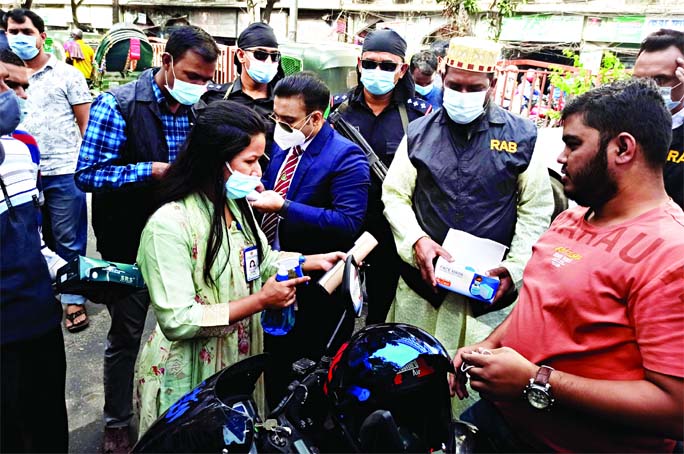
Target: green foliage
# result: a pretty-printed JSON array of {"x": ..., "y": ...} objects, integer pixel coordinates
[
  {"x": 498, "y": 9},
  {"x": 574, "y": 84},
  {"x": 583, "y": 80},
  {"x": 612, "y": 69},
  {"x": 452, "y": 7}
]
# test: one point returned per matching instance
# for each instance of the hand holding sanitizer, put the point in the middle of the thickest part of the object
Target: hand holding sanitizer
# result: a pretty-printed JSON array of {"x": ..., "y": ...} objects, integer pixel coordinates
[{"x": 279, "y": 322}]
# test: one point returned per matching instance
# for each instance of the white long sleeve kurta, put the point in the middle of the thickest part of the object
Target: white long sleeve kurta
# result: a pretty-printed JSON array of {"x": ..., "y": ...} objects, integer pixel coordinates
[{"x": 452, "y": 323}]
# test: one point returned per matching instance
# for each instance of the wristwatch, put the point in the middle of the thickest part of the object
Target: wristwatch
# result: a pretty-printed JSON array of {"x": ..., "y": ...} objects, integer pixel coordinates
[{"x": 538, "y": 391}]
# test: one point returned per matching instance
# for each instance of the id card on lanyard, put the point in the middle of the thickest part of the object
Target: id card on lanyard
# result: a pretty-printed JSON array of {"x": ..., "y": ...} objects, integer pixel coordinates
[{"x": 250, "y": 262}]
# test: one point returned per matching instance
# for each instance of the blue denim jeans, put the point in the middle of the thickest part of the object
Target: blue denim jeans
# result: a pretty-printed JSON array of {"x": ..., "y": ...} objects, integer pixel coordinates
[{"x": 65, "y": 209}]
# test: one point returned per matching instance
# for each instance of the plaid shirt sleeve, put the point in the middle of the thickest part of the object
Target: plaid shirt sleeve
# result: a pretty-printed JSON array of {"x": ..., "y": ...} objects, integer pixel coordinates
[{"x": 100, "y": 153}]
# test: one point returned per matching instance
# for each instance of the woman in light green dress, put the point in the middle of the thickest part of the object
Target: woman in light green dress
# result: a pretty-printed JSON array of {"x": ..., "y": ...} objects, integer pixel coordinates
[{"x": 192, "y": 254}]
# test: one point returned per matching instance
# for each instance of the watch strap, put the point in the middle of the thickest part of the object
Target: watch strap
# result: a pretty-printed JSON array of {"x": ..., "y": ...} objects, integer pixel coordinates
[
  {"x": 283, "y": 210},
  {"x": 543, "y": 375}
]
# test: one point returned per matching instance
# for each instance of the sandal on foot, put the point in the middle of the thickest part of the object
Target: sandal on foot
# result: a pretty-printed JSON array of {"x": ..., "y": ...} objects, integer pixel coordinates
[{"x": 76, "y": 327}]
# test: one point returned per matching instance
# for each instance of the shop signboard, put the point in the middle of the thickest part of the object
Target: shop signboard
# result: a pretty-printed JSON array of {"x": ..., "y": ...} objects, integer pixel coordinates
[
  {"x": 653, "y": 24},
  {"x": 621, "y": 29},
  {"x": 542, "y": 28}
]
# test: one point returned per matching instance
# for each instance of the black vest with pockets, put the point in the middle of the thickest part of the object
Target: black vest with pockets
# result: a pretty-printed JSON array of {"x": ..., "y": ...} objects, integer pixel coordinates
[
  {"x": 120, "y": 216},
  {"x": 473, "y": 187}
]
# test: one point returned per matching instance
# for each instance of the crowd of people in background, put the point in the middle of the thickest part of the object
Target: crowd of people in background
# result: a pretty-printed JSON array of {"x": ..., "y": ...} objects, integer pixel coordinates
[{"x": 192, "y": 181}]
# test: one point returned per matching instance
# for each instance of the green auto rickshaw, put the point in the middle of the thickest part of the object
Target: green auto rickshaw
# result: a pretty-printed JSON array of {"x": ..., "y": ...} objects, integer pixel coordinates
[{"x": 335, "y": 63}]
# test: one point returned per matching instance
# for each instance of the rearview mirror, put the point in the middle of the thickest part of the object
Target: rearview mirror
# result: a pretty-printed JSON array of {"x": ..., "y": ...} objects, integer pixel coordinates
[{"x": 353, "y": 285}]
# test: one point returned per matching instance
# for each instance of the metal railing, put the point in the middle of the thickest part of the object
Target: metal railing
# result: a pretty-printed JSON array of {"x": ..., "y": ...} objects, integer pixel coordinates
[{"x": 529, "y": 92}]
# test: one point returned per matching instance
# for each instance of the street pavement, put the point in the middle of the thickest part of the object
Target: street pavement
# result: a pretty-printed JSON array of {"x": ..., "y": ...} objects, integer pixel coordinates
[{"x": 85, "y": 353}]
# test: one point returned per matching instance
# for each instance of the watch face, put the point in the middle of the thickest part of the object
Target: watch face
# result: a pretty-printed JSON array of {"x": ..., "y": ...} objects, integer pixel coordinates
[{"x": 538, "y": 398}]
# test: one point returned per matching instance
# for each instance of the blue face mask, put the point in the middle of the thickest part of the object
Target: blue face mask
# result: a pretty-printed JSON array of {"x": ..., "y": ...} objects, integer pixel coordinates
[
  {"x": 23, "y": 45},
  {"x": 424, "y": 91},
  {"x": 184, "y": 92},
  {"x": 377, "y": 81},
  {"x": 11, "y": 113},
  {"x": 262, "y": 72},
  {"x": 238, "y": 185}
]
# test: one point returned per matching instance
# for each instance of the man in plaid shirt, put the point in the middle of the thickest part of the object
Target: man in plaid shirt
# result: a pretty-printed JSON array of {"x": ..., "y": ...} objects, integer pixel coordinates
[{"x": 134, "y": 132}]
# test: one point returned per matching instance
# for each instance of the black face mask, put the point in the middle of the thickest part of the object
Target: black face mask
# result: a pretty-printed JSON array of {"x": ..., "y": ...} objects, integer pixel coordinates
[{"x": 10, "y": 113}]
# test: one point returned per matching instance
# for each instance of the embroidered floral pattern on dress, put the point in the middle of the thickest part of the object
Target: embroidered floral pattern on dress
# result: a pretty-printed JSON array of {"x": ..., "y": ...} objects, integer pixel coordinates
[
  {"x": 199, "y": 299},
  {"x": 243, "y": 338},
  {"x": 204, "y": 355}
]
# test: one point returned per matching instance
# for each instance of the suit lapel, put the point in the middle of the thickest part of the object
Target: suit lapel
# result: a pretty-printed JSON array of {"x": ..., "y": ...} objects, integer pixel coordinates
[
  {"x": 308, "y": 158},
  {"x": 274, "y": 166}
]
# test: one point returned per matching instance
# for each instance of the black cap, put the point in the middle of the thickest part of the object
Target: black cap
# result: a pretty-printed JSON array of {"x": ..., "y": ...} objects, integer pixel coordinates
[
  {"x": 257, "y": 35},
  {"x": 385, "y": 40}
]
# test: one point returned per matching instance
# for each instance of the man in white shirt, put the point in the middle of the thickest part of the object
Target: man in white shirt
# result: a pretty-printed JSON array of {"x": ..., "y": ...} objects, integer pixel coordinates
[{"x": 56, "y": 115}]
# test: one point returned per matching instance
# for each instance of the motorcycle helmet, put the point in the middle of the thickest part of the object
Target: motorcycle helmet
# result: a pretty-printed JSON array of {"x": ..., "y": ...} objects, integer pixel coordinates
[
  {"x": 219, "y": 415},
  {"x": 389, "y": 390}
]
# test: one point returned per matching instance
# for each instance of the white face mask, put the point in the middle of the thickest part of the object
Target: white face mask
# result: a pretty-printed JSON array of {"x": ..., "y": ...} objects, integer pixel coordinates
[
  {"x": 666, "y": 93},
  {"x": 463, "y": 108},
  {"x": 286, "y": 140}
]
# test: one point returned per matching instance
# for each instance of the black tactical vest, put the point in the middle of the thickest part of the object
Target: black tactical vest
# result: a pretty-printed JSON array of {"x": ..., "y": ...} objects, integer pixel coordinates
[{"x": 471, "y": 184}]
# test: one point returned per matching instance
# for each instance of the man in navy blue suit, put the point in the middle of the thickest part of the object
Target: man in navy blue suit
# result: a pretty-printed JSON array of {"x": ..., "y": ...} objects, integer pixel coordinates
[{"x": 315, "y": 201}]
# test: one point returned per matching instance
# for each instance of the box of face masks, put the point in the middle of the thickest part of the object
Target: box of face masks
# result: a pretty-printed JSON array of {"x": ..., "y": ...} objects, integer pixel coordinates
[
  {"x": 95, "y": 278},
  {"x": 473, "y": 256}
]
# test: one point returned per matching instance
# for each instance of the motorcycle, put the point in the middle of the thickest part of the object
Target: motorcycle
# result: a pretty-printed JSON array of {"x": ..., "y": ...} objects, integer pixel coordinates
[{"x": 220, "y": 415}]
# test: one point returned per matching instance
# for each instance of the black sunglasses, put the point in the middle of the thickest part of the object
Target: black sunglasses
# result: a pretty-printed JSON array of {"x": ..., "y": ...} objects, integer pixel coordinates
[
  {"x": 262, "y": 55},
  {"x": 384, "y": 65}
]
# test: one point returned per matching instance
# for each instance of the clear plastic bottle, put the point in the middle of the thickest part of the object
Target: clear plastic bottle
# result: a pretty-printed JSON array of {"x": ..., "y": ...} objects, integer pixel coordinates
[{"x": 279, "y": 322}]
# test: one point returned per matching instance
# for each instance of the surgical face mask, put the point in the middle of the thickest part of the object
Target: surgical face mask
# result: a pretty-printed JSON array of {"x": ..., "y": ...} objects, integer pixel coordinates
[
  {"x": 377, "y": 81},
  {"x": 262, "y": 71},
  {"x": 23, "y": 45},
  {"x": 463, "y": 108},
  {"x": 11, "y": 112},
  {"x": 424, "y": 91},
  {"x": 184, "y": 92},
  {"x": 22, "y": 109},
  {"x": 238, "y": 185},
  {"x": 666, "y": 93},
  {"x": 286, "y": 137}
]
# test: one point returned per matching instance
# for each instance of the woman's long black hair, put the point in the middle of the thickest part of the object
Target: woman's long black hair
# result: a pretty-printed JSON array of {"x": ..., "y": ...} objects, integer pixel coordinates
[{"x": 221, "y": 131}]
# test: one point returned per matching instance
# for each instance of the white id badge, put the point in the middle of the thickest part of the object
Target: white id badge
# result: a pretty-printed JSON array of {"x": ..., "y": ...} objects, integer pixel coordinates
[{"x": 250, "y": 262}]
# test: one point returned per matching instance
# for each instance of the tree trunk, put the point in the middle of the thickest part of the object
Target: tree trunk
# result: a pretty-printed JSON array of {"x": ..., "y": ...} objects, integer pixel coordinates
[
  {"x": 115, "y": 11},
  {"x": 74, "y": 13},
  {"x": 266, "y": 12},
  {"x": 74, "y": 16}
]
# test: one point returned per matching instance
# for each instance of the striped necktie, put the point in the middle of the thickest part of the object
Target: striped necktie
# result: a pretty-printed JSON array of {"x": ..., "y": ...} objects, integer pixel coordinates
[{"x": 269, "y": 223}]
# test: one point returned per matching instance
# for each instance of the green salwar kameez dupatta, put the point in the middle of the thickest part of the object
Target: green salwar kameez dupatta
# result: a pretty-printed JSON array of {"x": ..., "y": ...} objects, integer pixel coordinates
[{"x": 195, "y": 336}]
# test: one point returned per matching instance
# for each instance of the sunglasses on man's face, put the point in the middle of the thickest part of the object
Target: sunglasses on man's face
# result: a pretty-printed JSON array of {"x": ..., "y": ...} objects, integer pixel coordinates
[
  {"x": 384, "y": 65},
  {"x": 286, "y": 126},
  {"x": 262, "y": 55}
]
